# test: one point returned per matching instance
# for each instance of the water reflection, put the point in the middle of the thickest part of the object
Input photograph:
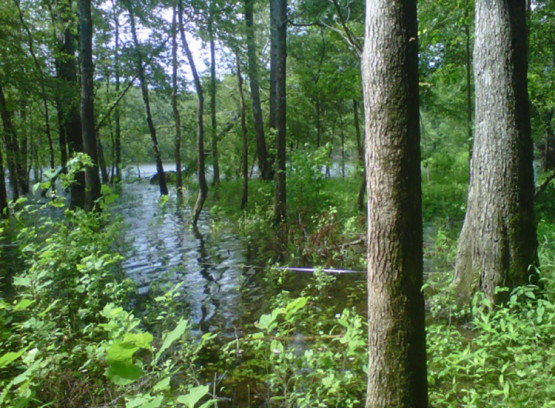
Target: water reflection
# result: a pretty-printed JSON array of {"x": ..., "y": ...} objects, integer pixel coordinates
[{"x": 218, "y": 291}]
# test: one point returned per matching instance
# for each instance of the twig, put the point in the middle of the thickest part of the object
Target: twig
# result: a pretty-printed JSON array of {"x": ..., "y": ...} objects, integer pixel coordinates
[{"x": 544, "y": 185}]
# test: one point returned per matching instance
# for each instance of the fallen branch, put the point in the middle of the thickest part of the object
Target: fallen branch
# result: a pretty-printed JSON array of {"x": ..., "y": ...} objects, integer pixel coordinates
[{"x": 544, "y": 185}]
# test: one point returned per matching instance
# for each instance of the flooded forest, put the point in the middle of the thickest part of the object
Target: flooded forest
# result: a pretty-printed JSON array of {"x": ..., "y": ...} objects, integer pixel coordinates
[{"x": 277, "y": 204}]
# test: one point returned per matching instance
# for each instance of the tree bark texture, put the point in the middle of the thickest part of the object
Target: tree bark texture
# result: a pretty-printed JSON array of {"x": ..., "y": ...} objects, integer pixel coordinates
[
  {"x": 498, "y": 241},
  {"x": 264, "y": 164},
  {"x": 280, "y": 206},
  {"x": 10, "y": 142},
  {"x": 274, "y": 23},
  {"x": 360, "y": 150},
  {"x": 175, "y": 108},
  {"x": 201, "y": 171},
  {"x": 396, "y": 325},
  {"x": 146, "y": 100},
  {"x": 214, "y": 123},
  {"x": 92, "y": 178}
]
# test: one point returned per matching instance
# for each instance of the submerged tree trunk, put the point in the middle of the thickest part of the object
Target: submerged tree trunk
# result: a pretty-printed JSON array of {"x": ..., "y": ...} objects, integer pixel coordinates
[
  {"x": 216, "y": 164},
  {"x": 202, "y": 185},
  {"x": 244, "y": 136},
  {"x": 264, "y": 164},
  {"x": 175, "y": 108},
  {"x": 498, "y": 241},
  {"x": 396, "y": 322},
  {"x": 92, "y": 179},
  {"x": 144, "y": 91},
  {"x": 280, "y": 209}
]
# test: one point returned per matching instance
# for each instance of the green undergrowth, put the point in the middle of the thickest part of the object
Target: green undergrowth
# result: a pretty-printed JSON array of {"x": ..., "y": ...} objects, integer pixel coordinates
[{"x": 68, "y": 337}]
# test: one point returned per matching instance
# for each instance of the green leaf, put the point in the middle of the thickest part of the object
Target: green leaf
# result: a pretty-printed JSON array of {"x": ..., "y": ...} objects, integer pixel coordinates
[
  {"x": 23, "y": 304},
  {"x": 172, "y": 337},
  {"x": 162, "y": 385},
  {"x": 10, "y": 356},
  {"x": 124, "y": 373},
  {"x": 194, "y": 396}
]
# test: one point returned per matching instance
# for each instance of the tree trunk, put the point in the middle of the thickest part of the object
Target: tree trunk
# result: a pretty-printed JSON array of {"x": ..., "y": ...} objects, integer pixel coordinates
[
  {"x": 68, "y": 100},
  {"x": 274, "y": 23},
  {"x": 280, "y": 209},
  {"x": 498, "y": 241},
  {"x": 10, "y": 141},
  {"x": 144, "y": 91},
  {"x": 468, "y": 66},
  {"x": 203, "y": 187},
  {"x": 244, "y": 136},
  {"x": 3, "y": 192},
  {"x": 175, "y": 108},
  {"x": 264, "y": 164},
  {"x": 216, "y": 164},
  {"x": 92, "y": 179},
  {"x": 117, "y": 80},
  {"x": 342, "y": 134},
  {"x": 360, "y": 150},
  {"x": 396, "y": 322},
  {"x": 102, "y": 162}
]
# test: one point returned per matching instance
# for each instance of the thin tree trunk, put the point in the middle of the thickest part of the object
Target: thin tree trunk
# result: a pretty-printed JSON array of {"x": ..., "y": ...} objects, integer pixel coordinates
[
  {"x": 274, "y": 23},
  {"x": 102, "y": 162},
  {"x": 203, "y": 186},
  {"x": 92, "y": 179},
  {"x": 280, "y": 209},
  {"x": 498, "y": 240},
  {"x": 42, "y": 87},
  {"x": 396, "y": 321},
  {"x": 144, "y": 90},
  {"x": 117, "y": 80},
  {"x": 342, "y": 140},
  {"x": 175, "y": 108},
  {"x": 360, "y": 150},
  {"x": 3, "y": 192},
  {"x": 10, "y": 141},
  {"x": 318, "y": 123},
  {"x": 264, "y": 164},
  {"x": 216, "y": 164},
  {"x": 244, "y": 134}
]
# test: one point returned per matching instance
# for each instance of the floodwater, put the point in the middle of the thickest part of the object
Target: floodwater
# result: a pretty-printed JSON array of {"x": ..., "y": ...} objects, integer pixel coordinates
[{"x": 219, "y": 288}]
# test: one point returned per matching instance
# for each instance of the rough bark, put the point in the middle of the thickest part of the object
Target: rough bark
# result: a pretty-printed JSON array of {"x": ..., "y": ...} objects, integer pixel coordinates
[
  {"x": 144, "y": 90},
  {"x": 264, "y": 165},
  {"x": 202, "y": 185},
  {"x": 396, "y": 325},
  {"x": 498, "y": 241},
  {"x": 244, "y": 136},
  {"x": 214, "y": 123},
  {"x": 468, "y": 67},
  {"x": 92, "y": 179},
  {"x": 274, "y": 23},
  {"x": 280, "y": 209},
  {"x": 175, "y": 108},
  {"x": 10, "y": 141}
]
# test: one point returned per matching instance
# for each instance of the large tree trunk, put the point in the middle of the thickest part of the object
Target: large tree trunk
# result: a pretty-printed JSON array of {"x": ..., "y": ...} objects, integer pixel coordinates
[
  {"x": 69, "y": 119},
  {"x": 396, "y": 322},
  {"x": 202, "y": 185},
  {"x": 498, "y": 241},
  {"x": 92, "y": 179},
  {"x": 280, "y": 209},
  {"x": 244, "y": 136},
  {"x": 216, "y": 164},
  {"x": 360, "y": 150},
  {"x": 264, "y": 164},
  {"x": 468, "y": 67},
  {"x": 175, "y": 108},
  {"x": 144, "y": 91}
]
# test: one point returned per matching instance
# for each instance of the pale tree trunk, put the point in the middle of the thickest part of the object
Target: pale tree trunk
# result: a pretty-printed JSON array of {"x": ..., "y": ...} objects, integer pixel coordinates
[
  {"x": 215, "y": 159},
  {"x": 396, "y": 322},
  {"x": 144, "y": 89},
  {"x": 468, "y": 67},
  {"x": 264, "y": 164},
  {"x": 3, "y": 192},
  {"x": 244, "y": 136},
  {"x": 92, "y": 179},
  {"x": 280, "y": 209},
  {"x": 202, "y": 185},
  {"x": 175, "y": 108},
  {"x": 498, "y": 241},
  {"x": 117, "y": 137}
]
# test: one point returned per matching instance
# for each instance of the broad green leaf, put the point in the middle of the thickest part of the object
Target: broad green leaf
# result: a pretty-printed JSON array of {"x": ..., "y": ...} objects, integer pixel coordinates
[
  {"x": 171, "y": 338},
  {"x": 162, "y": 385},
  {"x": 23, "y": 304},
  {"x": 194, "y": 396},
  {"x": 124, "y": 373},
  {"x": 145, "y": 401},
  {"x": 9, "y": 357}
]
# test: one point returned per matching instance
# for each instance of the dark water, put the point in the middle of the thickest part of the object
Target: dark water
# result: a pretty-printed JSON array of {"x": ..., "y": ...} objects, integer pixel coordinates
[{"x": 219, "y": 291}]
